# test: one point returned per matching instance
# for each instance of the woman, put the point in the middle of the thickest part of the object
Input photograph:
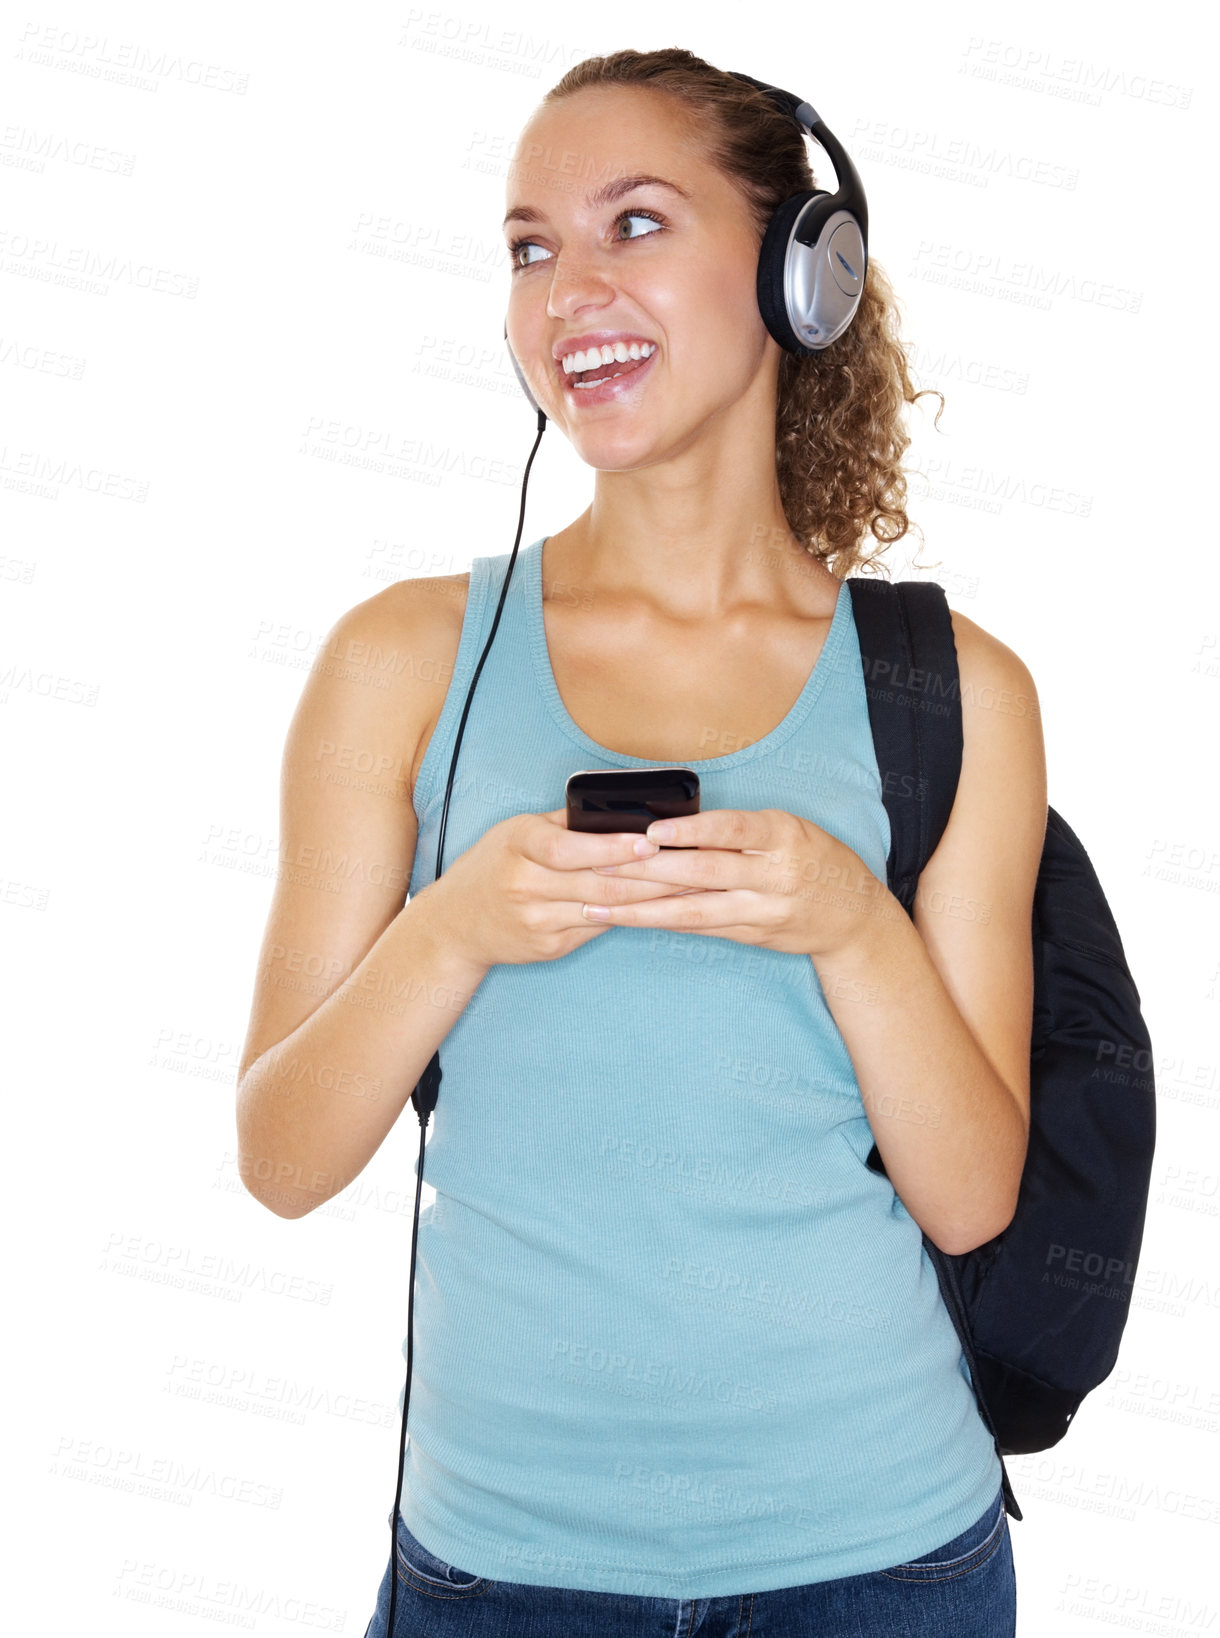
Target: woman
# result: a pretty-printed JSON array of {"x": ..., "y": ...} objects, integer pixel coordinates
[{"x": 681, "y": 1360}]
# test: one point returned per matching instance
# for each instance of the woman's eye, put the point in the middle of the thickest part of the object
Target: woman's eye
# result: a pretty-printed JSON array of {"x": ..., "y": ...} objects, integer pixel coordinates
[
  {"x": 514, "y": 252},
  {"x": 637, "y": 215},
  {"x": 515, "y": 249}
]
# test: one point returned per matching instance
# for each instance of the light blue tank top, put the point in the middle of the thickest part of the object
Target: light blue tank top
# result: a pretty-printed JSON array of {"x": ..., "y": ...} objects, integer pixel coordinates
[{"x": 672, "y": 1336}]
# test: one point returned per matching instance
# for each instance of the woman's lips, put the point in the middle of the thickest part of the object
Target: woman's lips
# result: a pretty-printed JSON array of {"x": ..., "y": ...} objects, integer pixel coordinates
[{"x": 615, "y": 387}]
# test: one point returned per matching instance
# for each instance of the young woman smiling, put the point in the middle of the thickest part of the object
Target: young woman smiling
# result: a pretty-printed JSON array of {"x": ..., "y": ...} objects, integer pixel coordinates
[{"x": 682, "y": 1364}]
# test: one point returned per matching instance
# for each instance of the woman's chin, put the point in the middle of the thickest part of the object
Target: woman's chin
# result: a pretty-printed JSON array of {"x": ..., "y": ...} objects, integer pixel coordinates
[{"x": 608, "y": 444}]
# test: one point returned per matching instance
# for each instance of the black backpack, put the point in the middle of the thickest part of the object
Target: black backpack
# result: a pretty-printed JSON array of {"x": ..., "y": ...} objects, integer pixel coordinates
[{"x": 1040, "y": 1308}]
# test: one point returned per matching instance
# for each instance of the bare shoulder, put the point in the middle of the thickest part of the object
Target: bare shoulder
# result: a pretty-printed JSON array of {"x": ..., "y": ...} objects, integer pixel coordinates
[
  {"x": 402, "y": 643},
  {"x": 411, "y": 607},
  {"x": 1003, "y": 779},
  {"x": 348, "y": 829},
  {"x": 999, "y": 817},
  {"x": 992, "y": 675}
]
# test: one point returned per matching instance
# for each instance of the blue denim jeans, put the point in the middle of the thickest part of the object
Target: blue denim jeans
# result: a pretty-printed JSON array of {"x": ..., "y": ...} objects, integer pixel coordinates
[{"x": 965, "y": 1589}]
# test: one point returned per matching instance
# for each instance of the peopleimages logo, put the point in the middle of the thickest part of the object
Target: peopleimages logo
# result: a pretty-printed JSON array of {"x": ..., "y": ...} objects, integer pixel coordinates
[
  {"x": 1089, "y": 1265},
  {"x": 911, "y": 679}
]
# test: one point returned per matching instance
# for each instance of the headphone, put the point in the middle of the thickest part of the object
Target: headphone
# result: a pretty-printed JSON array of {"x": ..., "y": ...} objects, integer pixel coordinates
[{"x": 811, "y": 269}]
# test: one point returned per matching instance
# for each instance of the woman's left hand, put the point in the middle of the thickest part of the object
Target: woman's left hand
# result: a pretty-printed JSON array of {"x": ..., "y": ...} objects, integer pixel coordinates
[{"x": 760, "y": 876}]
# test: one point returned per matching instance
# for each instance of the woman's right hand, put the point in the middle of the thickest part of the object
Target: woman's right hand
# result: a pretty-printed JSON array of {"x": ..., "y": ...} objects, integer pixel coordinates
[{"x": 516, "y": 895}]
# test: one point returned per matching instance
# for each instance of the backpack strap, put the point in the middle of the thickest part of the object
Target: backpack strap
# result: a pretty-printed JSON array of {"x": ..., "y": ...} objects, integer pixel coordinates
[
  {"x": 914, "y": 707},
  {"x": 911, "y": 681}
]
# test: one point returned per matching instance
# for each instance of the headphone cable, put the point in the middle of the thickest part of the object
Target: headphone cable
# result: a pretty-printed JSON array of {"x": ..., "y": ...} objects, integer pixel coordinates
[{"x": 425, "y": 1094}]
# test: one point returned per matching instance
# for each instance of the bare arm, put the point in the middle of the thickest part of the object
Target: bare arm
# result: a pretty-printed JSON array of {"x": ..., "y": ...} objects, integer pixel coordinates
[
  {"x": 355, "y": 989},
  {"x": 941, "y": 1051}
]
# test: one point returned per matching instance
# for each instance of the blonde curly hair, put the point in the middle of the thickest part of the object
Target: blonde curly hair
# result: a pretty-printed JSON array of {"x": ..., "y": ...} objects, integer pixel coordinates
[{"x": 839, "y": 432}]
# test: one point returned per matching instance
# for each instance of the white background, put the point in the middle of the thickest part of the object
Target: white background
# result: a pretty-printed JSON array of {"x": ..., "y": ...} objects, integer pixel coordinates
[{"x": 237, "y": 246}]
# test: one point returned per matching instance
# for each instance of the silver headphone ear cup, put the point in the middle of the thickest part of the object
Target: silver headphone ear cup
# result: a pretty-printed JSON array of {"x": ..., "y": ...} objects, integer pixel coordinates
[{"x": 808, "y": 293}]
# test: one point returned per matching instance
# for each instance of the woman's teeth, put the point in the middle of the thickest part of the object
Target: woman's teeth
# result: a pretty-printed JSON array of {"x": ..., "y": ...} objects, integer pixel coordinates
[{"x": 595, "y": 357}]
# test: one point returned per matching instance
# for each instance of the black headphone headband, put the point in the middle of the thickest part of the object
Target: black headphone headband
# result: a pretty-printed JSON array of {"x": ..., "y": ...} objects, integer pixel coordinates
[{"x": 849, "y": 194}]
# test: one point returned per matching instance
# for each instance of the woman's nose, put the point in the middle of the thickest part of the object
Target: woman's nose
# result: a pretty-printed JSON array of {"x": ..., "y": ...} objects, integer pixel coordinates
[{"x": 576, "y": 281}]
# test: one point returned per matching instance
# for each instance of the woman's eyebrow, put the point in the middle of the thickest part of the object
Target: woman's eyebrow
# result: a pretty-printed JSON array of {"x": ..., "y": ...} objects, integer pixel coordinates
[{"x": 605, "y": 195}]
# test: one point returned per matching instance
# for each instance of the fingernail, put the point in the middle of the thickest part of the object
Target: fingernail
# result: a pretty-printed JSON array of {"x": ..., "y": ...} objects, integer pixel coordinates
[
  {"x": 661, "y": 830},
  {"x": 597, "y": 912},
  {"x": 644, "y": 849}
]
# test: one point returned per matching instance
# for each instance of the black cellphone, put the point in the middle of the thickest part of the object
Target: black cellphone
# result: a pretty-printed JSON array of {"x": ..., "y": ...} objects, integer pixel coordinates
[{"x": 614, "y": 800}]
